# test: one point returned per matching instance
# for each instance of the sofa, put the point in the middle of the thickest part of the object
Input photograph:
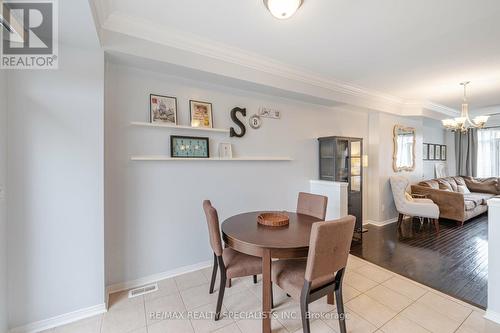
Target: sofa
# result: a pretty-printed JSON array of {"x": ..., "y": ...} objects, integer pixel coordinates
[{"x": 459, "y": 198}]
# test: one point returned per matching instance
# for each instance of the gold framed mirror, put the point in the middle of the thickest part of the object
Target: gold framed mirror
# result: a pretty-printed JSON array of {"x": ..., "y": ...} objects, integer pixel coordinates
[{"x": 403, "y": 158}]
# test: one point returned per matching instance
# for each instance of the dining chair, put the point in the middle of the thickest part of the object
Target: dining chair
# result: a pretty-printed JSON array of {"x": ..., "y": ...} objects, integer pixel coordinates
[
  {"x": 312, "y": 205},
  {"x": 321, "y": 274},
  {"x": 231, "y": 263}
]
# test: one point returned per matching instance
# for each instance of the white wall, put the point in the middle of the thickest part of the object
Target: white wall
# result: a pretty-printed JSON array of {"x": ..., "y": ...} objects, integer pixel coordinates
[
  {"x": 434, "y": 133},
  {"x": 3, "y": 206},
  {"x": 55, "y": 167},
  {"x": 154, "y": 219}
]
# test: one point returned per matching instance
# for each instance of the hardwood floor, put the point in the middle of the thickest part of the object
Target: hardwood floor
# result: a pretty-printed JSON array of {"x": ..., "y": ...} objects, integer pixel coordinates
[{"x": 455, "y": 261}]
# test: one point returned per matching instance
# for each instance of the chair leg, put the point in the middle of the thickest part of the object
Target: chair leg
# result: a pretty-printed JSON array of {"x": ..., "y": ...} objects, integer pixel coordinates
[
  {"x": 304, "y": 309},
  {"x": 272, "y": 297},
  {"x": 339, "y": 278},
  {"x": 330, "y": 298},
  {"x": 340, "y": 309},
  {"x": 436, "y": 224},
  {"x": 214, "y": 275},
  {"x": 221, "y": 289},
  {"x": 255, "y": 279},
  {"x": 304, "y": 306},
  {"x": 400, "y": 220}
]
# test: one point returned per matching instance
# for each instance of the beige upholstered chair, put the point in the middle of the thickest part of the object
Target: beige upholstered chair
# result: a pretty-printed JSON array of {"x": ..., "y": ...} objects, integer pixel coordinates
[
  {"x": 405, "y": 205},
  {"x": 321, "y": 274},
  {"x": 312, "y": 205},
  {"x": 231, "y": 263}
]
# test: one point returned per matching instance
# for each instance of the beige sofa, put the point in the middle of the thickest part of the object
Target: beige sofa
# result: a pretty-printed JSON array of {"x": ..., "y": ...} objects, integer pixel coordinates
[{"x": 459, "y": 198}]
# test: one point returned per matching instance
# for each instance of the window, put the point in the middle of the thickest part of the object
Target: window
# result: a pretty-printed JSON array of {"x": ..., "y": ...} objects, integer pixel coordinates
[{"x": 488, "y": 155}]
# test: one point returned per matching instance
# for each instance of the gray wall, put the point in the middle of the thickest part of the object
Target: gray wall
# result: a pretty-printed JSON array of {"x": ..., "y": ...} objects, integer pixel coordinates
[
  {"x": 381, "y": 208},
  {"x": 3, "y": 206},
  {"x": 154, "y": 219},
  {"x": 434, "y": 133},
  {"x": 55, "y": 167}
]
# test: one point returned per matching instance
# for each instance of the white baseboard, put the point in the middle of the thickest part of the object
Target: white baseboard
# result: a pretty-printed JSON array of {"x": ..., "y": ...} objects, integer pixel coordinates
[
  {"x": 101, "y": 308},
  {"x": 381, "y": 223},
  {"x": 60, "y": 320},
  {"x": 155, "y": 277},
  {"x": 492, "y": 316}
]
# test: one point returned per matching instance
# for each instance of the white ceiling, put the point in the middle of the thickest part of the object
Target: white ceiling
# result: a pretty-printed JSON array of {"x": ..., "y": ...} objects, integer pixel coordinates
[{"x": 414, "y": 50}]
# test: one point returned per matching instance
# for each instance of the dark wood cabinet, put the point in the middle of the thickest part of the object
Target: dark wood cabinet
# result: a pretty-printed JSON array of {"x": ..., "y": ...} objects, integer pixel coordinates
[{"x": 341, "y": 160}]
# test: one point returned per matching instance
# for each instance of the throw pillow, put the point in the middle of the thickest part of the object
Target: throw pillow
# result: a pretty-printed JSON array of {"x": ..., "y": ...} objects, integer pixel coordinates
[{"x": 463, "y": 189}]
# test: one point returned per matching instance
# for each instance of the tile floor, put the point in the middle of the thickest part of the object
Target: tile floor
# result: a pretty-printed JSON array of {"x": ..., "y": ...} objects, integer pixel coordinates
[{"x": 376, "y": 301}]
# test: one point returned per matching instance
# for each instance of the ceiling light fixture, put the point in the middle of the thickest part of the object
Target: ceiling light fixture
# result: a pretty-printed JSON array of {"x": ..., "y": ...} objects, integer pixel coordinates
[
  {"x": 464, "y": 123},
  {"x": 283, "y": 9}
]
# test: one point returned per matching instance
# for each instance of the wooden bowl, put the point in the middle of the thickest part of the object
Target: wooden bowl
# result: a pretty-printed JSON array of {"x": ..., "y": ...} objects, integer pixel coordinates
[{"x": 273, "y": 219}]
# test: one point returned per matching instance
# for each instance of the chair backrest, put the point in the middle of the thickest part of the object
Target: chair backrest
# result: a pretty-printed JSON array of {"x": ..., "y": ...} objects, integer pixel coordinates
[
  {"x": 312, "y": 205},
  {"x": 213, "y": 227},
  {"x": 329, "y": 247},
  {"x": 399, "y": 184}
]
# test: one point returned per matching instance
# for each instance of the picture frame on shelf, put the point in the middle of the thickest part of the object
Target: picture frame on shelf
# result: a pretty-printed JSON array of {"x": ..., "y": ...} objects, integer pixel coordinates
[
  {"x": 225, "y": 151},
  {"x": 437, "y": 152},
  {"x": 431, "y": 152},
  {"x": 162, "y": 109},
  {"x": 443, "y": 153},
  {"x": 201, "y": 114},
  {"x": 426, "y": 152},
  {"x": 189, "y": 147}
]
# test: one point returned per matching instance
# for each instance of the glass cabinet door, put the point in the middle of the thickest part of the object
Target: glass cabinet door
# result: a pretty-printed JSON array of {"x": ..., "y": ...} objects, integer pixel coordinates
[
  {"x": 342, "y": 161},
  {"x": 326, "y": 151},
  {"x": 356, "y": 165}
]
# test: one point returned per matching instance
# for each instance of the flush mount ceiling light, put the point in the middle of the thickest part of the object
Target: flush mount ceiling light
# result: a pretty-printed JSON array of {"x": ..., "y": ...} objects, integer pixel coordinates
[
  {"x": 283, "y": 9},
  {"x": 464, "y": 123}
]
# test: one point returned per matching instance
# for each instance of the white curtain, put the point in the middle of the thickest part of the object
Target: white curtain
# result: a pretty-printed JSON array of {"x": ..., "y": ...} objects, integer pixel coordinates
[{"x": 488, "y": 155}]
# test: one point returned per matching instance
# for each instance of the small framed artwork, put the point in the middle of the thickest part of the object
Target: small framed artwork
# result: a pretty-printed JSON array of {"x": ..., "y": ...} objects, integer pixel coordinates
[
  {"x": 431, "y": 152},
  {"x": 225, "y": 151},
  {"x": 189, "y": 147},
  {"x": 163, "y": 109},
  {"x": 437, "y": 152},
  {"x": 443, "y": 153},
  {"x": 201, "y": 114},
  {"x": 426, "y": 152}
]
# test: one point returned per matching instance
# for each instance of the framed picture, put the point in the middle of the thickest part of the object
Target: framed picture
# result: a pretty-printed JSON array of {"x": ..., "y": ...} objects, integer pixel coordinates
[
  {"x": 189, "y": 147},
  {"x": 437, "y": 152},
  {"x": 225, "y": 150},
  {"x": 431, "y": 152},
  {"x": 201, "y": 114},
  {"x": 443, "y": 152},
  {"x": 426, "y": 152},
  {"x": 163, "y": 109}
]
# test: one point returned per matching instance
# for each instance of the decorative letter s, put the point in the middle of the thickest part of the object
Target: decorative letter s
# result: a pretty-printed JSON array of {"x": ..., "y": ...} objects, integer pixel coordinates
[{"x": 238, "y": 122}]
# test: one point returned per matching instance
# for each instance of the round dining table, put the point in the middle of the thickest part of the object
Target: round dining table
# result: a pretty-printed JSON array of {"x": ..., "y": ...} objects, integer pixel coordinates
[{"x": 242, "y": 233}]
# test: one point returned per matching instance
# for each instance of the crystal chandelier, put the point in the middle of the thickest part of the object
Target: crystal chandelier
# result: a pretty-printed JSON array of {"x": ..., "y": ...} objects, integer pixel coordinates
[{"x": 464, "y": 123}]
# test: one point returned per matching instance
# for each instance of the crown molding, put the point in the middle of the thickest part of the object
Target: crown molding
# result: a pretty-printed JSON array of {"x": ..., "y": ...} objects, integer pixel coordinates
[
  {"x": 100, "y": 12},
  {"x": 139, "y": 28},
  {"x": 430, "y": 106}
]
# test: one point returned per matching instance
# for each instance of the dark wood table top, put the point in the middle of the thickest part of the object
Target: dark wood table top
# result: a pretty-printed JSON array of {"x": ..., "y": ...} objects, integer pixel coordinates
[{"x": 243, "y": 233}]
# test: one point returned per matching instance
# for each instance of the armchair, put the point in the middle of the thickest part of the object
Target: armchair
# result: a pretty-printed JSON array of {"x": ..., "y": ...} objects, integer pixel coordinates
[{"x": 407, "y": 206}]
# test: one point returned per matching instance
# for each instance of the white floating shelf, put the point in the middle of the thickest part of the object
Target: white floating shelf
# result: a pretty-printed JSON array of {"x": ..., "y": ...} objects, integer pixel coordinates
[
  {"x": 157, "y": 125},
  {"x": 168, "y": 158}
]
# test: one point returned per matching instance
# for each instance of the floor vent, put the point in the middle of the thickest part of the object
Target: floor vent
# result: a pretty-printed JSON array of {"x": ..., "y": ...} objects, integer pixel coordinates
[{"x": 150, "y": 288}]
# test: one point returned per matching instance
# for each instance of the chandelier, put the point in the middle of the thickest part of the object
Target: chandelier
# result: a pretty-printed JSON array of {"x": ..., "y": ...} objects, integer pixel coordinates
[{"x": 464, "y": 123}]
